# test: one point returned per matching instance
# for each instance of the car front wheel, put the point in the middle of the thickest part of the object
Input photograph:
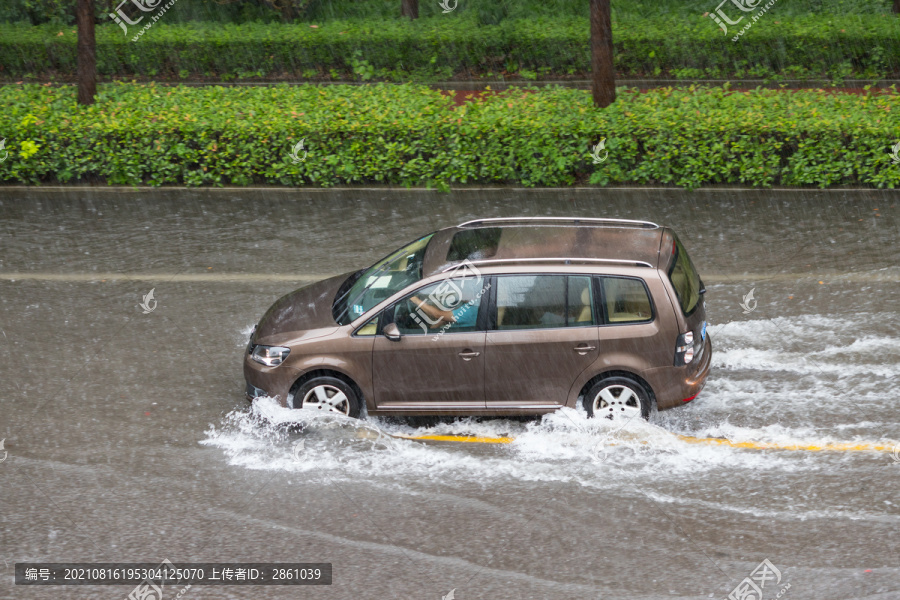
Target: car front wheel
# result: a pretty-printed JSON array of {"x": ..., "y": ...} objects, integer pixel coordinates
[{"x": 327, "y": 394}]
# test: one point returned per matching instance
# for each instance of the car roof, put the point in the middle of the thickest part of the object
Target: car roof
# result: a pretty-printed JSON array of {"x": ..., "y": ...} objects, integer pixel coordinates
[{"x": 545, "y": 241}]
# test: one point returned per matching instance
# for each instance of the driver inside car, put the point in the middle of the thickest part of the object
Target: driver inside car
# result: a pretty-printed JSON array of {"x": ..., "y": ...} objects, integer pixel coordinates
[{"x": 446, "y": 304}]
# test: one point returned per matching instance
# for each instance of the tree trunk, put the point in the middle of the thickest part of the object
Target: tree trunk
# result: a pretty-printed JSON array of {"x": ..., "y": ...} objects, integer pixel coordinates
[
  {"x": 409, "y": 8},
  {"x": 896, "y": 7},
  {"x": 603, "y": 75},
  {"x": 287, "y": 11},
  {"x": 87, "y": 53}
]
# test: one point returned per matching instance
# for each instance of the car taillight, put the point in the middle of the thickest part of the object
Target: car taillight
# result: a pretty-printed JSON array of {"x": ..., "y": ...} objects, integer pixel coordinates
[{"x": 684, "y": 349}]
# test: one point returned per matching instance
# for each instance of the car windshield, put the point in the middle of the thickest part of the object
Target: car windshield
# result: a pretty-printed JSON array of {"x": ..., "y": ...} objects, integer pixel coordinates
[
  {"x": 385, "y": 278},
  {"x": 684, "y": 279}
]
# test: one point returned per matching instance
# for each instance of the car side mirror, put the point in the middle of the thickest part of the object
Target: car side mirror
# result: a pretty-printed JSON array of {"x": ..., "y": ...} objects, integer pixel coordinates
[{"x": 391, "y": 332}]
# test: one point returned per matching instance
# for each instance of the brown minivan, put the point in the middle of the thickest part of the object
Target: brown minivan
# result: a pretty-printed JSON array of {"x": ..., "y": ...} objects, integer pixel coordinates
[{"x": 514, "y": 316}]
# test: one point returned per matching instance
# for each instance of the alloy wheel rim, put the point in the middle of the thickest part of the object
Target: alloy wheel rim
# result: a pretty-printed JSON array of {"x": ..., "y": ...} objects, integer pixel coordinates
[
  {"x": 327, "y": 398},
  {"x": 617, "y": 403}
]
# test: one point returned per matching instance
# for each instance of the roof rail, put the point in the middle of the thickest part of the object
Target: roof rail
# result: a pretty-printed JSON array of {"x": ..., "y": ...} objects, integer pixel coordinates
[
  {"x": 551, "y": 260},
  {"x": 573, "y": 220}
]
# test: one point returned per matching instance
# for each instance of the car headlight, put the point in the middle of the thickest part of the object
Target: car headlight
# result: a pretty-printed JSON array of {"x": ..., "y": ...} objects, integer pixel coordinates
[{"x": 271, "y": 356}]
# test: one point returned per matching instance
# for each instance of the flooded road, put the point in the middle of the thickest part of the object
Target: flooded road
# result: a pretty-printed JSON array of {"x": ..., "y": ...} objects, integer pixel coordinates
[{"x": 127, "y": 437}]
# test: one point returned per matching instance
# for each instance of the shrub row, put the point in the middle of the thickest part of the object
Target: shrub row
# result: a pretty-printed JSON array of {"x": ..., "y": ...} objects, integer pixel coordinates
[
  {"x": 36, "y": 12},
  {"x": 410, "y": 135},
  {"x": 866, "y": 46}
]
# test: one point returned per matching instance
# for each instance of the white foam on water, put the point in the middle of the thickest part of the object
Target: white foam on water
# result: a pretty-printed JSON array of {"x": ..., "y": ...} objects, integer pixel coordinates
[
  {"x": 244, "y": 336},
  {"x": 562, "y": 446},
  {"x": 831, "y": 361},
  {"x": 819, "y": 371},
  {"x": 809, "y": 345},
  {"x": 819, "y": 330}
]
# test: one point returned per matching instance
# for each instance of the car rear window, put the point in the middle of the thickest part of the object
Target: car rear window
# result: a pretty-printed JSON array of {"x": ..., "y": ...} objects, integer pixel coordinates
[
  {"x": 626, "y": 300},
  {"x": 685, "y": 279}
]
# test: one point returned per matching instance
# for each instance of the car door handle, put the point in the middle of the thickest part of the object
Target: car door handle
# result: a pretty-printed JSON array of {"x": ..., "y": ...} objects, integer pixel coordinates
[
  {"x": 584, "y": 348},
  {"x": 468, "y": 354}
]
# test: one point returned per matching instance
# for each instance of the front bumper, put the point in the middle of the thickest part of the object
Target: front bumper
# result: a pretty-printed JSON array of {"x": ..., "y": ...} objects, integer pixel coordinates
[
  {"x": 254, "y": 392},
  {"x": 274, "y": 382}
]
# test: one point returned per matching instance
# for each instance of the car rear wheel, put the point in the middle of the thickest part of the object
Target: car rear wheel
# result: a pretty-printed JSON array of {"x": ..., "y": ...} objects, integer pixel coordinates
[
  {"x": 617, "y": 399},
  {"x": 327, "y": 394}
]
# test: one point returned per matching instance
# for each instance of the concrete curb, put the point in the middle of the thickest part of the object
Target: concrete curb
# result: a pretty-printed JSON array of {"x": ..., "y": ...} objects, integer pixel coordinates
[{"x": 144, "y": 189}]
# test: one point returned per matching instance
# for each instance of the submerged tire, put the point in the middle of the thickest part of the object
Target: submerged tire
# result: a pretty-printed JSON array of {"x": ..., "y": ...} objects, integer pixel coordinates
[
  {"x": 328, "y": 394},
  {"x": 618, "y": 399}
]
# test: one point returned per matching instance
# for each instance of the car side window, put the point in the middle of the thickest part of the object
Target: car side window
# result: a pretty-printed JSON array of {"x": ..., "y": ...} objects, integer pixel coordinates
[
  {"x": 369, "y": 329},
  {"x": 531, "y": 301},
  {"x": 581, "y": 302},
  {"x": 450, "y": 306},
  {"x": 626, "y": 300},
  {"x": 544, "y": 301}
]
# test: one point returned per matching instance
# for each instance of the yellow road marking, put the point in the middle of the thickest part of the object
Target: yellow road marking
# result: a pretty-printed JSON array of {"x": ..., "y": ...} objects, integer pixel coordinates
[
  {"x": 837, "y": 447},
  {"x": 457, "y": 438},
  {"x": 834, "y": 447}
]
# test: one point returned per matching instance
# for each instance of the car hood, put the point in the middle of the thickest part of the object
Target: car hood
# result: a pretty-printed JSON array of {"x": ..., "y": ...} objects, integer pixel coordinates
[{"x": 305, "y": 309}]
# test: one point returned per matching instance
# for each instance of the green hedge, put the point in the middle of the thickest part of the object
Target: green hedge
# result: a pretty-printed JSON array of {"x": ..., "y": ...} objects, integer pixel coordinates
[
  {"x": 411, "y": 135},
  {"x": 36, "y": 12},
  {"x": 866, "y": 46}
]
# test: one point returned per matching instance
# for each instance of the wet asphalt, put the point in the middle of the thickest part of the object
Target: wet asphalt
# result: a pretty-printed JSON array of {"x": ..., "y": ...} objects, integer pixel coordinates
[{"x": 128, "y": 439}]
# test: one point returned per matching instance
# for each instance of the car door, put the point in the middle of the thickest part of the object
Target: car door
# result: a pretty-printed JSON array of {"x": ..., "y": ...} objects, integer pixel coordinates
[
  {"x": 438, "y": 362},
  {"x": 631, "y": 334},
  {"x": 543, "y": 333}
]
